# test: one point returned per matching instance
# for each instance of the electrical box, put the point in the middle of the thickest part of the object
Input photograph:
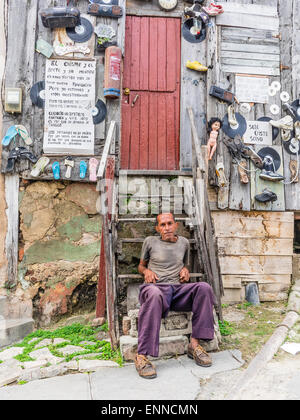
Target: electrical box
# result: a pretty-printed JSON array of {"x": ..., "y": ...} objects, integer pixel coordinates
[{"x": 13, "y": 100}]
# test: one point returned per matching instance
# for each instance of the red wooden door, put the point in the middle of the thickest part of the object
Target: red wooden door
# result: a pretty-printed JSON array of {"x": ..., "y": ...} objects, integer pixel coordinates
[{"x": 150, "y": 128}]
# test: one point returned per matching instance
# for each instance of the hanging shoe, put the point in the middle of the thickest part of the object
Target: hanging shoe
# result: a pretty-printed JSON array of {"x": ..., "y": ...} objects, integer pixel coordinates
[
  {"x": 56, "y": 170},
  {"x": 294, "y": 168},
  {"x": 82, "y": 169},
  {"x": 266, "y": 196},
  {"x": 40, "y": 166},
  {"x": 93, "y": 164},
  {"x": 285, "y": 134},
  {"x": 22, "y": 131},
  {"x": 249, "y": 153},
  {"x": 288, "y": 108},
  {"x": 286, "y": 123},
  {"x": 9, "y": 135},
  {"x": 242, "y": 171},
  {"x": 231, "y": 116},
  {"x": 297, "y": 130},
  {"x": 195, "y": 65},
  {"x": 270, "y": 176},
  {"x": 214, "y": 9},
  {"x": 222, "y": 181}
]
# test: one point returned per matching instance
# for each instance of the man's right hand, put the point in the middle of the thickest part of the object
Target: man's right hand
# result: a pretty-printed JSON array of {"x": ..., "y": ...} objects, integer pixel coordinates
[{"x": 150, "y": 277}]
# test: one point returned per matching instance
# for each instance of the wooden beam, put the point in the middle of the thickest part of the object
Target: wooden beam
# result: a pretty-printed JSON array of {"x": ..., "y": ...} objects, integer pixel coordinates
[
  {"x": 12, "y": 236},
  {"x": 196, "y": 141}
]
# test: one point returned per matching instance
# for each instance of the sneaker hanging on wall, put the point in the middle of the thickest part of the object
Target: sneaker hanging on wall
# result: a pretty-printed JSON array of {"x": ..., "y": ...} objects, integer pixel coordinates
[
  {"x": 285, "y": 123},
  {"x": 266, "y": 196},
  {"x": 214, "y": 9},
  {"x": 271, "y": 176}
]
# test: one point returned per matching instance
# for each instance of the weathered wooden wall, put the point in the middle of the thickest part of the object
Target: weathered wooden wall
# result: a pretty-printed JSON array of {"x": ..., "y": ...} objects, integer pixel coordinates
[
  {"x": 236, "y": 196},
  {"x": 255, "y": 247},
  {"x": 24, "y": 23}
]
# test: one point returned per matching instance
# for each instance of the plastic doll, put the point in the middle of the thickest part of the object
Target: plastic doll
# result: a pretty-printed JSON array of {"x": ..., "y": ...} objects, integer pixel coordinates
[{"x": 214, "y": 125}]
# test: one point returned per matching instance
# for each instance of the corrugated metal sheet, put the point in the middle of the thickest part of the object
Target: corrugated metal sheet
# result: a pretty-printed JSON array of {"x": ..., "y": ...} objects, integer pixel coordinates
[{"x": 150, "y": 128}]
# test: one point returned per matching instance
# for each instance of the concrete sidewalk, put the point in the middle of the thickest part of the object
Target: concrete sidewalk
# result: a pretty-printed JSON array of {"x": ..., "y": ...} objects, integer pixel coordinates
[{"x": 178, "y": 379}]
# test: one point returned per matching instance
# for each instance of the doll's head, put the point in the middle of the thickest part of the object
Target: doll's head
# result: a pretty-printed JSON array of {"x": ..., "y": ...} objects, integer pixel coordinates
[{"x": 214, "y": 124}]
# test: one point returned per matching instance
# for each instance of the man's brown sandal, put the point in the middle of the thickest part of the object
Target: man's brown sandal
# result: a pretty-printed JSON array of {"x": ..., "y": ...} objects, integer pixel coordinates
[
  {"x": 144, "y": 367},
  {"x": 200, "y": 356}
]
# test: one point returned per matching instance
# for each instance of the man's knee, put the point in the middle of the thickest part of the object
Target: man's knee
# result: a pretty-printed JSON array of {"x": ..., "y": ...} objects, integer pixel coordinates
[
  {"x": 204, "y": 288},
  {"x": 151, "y": 291}
]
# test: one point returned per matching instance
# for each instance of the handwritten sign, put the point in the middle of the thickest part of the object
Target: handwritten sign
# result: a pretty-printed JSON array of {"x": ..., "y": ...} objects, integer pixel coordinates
[
  {"x": 252, "y": 89},
  {"x": 69, "y": 99},
  {"x": 258, "y": 132}
]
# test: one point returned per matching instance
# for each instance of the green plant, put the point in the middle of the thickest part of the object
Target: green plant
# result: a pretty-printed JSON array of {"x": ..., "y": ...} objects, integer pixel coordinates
[
  {"x": 226, "y": 328},
  {"x": 74, "y": 334}
]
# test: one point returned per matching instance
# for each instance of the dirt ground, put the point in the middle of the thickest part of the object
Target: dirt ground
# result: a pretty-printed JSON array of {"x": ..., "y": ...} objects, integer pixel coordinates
[{"x": 249, "y": 327}]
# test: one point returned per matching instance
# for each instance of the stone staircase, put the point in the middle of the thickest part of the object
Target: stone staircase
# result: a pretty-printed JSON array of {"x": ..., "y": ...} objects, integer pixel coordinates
[{"x": 12, "y": 329}]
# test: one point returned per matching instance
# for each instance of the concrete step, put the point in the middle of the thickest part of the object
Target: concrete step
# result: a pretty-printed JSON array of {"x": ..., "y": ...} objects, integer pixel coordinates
[
  {"x": 168, "y": 346},
  {"x": 14, "y": 330}
]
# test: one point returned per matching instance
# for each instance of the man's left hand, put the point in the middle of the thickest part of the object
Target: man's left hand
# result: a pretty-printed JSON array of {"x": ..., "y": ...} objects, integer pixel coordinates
[{"x": 184, "y": 275}]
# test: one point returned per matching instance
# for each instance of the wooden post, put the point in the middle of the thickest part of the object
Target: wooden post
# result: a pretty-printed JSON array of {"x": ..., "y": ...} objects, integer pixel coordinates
[{"x": 101, "y": 289}]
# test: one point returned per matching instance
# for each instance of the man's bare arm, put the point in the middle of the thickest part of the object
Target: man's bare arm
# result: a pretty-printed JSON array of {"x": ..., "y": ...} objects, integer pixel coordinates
[{"x": 149, "y": 276}]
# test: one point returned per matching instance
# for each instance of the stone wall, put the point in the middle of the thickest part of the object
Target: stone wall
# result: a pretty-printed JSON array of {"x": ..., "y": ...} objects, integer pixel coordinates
[{"x": 59, "y": 248}]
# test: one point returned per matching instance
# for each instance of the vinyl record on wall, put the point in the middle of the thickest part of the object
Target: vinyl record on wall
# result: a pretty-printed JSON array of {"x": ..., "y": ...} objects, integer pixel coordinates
[
  {"x": 189, "y": 34},
  {"x": 296, "y": 107},
  {"x": 37, "y": 94},
  {"x": 82, "y": 32},
  {"x": 99, "y": 112},
  {"x": 266, "y": 152},
  {"x": 275, "y": 130},
  {"x": 239, "y": 130}
]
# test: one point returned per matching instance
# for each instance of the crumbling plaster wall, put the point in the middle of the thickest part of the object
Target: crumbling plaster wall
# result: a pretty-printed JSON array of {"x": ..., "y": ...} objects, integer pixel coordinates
[{"x": 59, "y": 248}]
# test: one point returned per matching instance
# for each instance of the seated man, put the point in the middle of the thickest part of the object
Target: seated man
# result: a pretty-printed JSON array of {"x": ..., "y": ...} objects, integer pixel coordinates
[{"x": 163, "y": 264}]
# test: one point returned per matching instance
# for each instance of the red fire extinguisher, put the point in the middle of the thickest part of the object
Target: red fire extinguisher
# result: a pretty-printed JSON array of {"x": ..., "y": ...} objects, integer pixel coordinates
[{"x": 112, "y": 73}]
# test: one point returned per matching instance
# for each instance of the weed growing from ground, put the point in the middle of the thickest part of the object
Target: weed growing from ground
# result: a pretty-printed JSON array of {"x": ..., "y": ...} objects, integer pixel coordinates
[{"x": 74, "y": 335}]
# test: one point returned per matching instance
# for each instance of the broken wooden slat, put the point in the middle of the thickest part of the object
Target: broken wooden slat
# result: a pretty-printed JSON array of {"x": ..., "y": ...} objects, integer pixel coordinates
[
  {"x": 249, "y": 16},
  {"x": 267, "y": 71},
  {"x": 263, "y": 49},
  {"x": 108, "y": 143},
  {"x": 260, "y": 10},
  {"x": 260, "y": 57}
]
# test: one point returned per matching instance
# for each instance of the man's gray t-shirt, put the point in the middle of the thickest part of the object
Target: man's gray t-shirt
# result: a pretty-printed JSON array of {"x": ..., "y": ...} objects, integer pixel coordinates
[{"x": 166, "y": 259}]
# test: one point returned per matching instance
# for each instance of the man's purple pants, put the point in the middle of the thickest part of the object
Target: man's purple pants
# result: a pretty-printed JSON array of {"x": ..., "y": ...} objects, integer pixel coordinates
[{"x": 158, "y": 299}]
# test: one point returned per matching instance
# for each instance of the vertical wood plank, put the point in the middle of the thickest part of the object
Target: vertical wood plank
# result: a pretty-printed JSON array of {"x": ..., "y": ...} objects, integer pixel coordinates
[
  {"x": 144, "y": 130},
  {"x": 171, "y": 132},
  {"x": 161, "y": 138},
  {"x": 12, "y": 236},
  {"x": 144, "y": 55},
  {"x": 153, "y": 45},
  {"x": 134, "y": 157},
  {"x": 153, "y": 133},
  {"x": 172, "y": 45},
  {"x": 135, "y": 53},
  {"x": 161, "y": 55},
  {"x": 127, "y": 57}
]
